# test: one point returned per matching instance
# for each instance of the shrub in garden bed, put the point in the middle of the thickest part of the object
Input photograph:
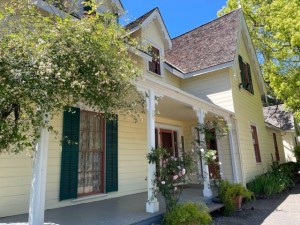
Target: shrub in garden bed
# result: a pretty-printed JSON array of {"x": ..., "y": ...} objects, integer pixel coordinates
[
  {"x": 188, "y": 213},
  {"x": 279, "y": 179}
]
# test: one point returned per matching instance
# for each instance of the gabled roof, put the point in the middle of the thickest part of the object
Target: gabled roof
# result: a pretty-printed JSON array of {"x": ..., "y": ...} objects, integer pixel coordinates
[
  {"x": 209, "y": 45},
  {"x": 277, "y": 116},
  {"x": 139, "y": 21},
  {"x": 147, "y": 18}
]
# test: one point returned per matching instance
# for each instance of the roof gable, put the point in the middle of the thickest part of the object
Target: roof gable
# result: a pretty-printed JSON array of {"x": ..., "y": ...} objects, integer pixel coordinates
[
  {"x": 206, "y": 46},
  {"x": 145, "y": 19},
  {"x": 244, "y": 37}
]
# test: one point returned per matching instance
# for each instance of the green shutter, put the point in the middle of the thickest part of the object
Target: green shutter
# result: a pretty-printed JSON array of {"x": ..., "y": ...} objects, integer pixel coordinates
[
  {"x": 112, "y": 155},
  {"x": 242, "y": 71},
  {"x": 70, "y": 151},
  {"x": 250, "y": 79}
]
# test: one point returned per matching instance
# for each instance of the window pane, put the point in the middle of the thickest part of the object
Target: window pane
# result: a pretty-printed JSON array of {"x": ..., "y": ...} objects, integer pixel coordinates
[{"x": 90, "y": 172}]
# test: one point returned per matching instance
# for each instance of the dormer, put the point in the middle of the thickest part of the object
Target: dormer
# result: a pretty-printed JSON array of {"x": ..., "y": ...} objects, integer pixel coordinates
[{"x": 151, "y": 29}]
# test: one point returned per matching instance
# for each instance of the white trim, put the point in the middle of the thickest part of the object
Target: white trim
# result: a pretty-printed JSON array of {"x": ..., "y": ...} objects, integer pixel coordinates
[
  {"x": 173, "y": 71},
  {"x": 161, "y": 57},
  {"x": 209, "y": 69},
  {"x": 243, "y": 33},
  {"x": 172, "y": 128},
  {"x": 152, "y": 205},
  {"x": 219, "y": 149},
  {"x": 179, "y": 95},
  {"x": 139, "y": 53},
  {"x": 232, "y": 151},
  {"x": 274, "y": 128},
  {"x": 207, "y": 192},
  {"x": 39, "y": 174},
  {"x": 89, "y": 197},
  {"x": 156, "y": 15}
]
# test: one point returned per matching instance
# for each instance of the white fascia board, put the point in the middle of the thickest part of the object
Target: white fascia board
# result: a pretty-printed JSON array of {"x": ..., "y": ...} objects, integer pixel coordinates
[
  {"x": 173, "y": 71},
  {"x": 139, "y": 53},
  {"x": 272, "y": 127},
  {"x": 156, "y": 15},
  {"x": 177, "y": 94},
  {"x": 209, "y": 69}
]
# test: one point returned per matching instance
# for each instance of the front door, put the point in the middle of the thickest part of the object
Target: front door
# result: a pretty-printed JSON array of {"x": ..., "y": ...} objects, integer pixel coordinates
[
  {"x": 168, "y": 140},
  {"x": 214, "y": 168}
]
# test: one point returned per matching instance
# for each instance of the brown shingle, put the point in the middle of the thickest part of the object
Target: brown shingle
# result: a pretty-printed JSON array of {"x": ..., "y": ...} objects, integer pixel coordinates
[
  {"x": 277, "y": 116},
  {"x": 209, "y": 45}
]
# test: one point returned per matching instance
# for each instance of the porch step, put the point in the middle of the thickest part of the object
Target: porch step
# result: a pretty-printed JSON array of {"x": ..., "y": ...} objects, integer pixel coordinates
[
  {"x": 214, "y": 206},
  {"x": 153, "y": 220},
  {"x": 157, "y": 219}
]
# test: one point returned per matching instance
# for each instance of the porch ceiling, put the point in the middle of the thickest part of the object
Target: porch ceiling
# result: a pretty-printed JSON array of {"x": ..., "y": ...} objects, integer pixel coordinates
[{"x": 175, "y": 110}]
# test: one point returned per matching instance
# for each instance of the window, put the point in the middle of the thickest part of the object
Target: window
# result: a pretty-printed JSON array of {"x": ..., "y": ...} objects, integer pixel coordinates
[
  {"x": 91, "y": 153},
  {"x": 276, "y": 147},
  {"x": 154, "y": 65},
  {"x": 255, "y": 143},
  {"x": 89, "y": 161},
  {"x": 246, "y": 75}
]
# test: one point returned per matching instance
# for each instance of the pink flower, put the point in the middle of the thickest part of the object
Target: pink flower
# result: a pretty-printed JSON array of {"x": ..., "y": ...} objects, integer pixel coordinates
[{"x": 175, "y": 177}]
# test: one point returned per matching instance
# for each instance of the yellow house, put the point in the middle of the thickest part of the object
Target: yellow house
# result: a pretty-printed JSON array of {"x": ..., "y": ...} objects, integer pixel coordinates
[
  {"x": 279, "y": 117},
  {"x": 207, "y": 73}
]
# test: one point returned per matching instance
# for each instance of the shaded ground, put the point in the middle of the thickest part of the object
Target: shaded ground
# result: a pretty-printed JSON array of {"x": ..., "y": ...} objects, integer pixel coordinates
[{"x": 281, "y": 209}]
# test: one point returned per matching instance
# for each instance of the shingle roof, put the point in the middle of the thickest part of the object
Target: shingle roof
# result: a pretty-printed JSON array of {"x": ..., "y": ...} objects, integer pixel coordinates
[
  {"x": 209, "y": 45},
  {"x": 139, "y": 20},
  {"x": 278, "y": 117}
]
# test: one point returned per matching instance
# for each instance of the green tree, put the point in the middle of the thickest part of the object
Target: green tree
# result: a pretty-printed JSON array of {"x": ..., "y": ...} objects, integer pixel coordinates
[
  {"x": 48, "y": 62},
  {"x": 274, "y": 27}
]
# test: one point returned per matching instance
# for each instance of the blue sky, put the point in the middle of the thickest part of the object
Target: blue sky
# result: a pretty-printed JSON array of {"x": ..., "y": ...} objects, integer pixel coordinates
[{"x": 179, "y": 16}]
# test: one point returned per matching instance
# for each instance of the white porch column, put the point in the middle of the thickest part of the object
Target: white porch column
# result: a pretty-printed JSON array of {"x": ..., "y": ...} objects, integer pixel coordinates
[
  {"x": 232, "y": 150},
  {"x": 206, "y": 190},
  {"x": 152, "y": 205},
  {"x": 38, "y": 183}
]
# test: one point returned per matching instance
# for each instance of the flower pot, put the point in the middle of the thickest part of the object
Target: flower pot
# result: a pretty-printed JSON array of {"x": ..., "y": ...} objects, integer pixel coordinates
[{"x": 238, "y": 202}]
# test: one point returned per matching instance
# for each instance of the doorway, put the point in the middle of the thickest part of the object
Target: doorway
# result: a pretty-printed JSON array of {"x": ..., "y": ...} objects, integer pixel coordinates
[
  {"x": 168, "y": 139},
  {"x": 211, "y": 143}
]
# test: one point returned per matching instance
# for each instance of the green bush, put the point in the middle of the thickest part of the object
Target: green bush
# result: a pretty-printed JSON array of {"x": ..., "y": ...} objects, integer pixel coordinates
[
  {"x": 188, "y": 213},
  {"x": 280, "y": 178},
  {"x": 227, "y": 193},
  {"x": 297, "y": 152}
]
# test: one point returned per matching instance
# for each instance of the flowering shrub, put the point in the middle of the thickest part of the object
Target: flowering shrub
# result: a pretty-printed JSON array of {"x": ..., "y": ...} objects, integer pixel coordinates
[
  {"x": 211, "y": 131},
  {"x": 171, "y": 172}
]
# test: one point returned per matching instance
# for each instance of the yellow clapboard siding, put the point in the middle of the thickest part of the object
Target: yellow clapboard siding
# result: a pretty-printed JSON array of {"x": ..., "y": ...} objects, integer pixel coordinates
[{"x": 248, "y": 109}]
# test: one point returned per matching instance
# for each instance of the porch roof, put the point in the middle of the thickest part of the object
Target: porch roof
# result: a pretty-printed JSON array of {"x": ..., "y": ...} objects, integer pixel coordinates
[{"x": 162, "y": 89}]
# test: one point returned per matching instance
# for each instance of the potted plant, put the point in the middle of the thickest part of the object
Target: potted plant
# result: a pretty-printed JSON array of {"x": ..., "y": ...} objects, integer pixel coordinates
[{"x": 232, "y": 196}]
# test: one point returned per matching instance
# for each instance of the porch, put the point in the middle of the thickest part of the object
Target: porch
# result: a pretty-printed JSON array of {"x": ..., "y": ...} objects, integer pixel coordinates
[{"x": 125, "y": 210}]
